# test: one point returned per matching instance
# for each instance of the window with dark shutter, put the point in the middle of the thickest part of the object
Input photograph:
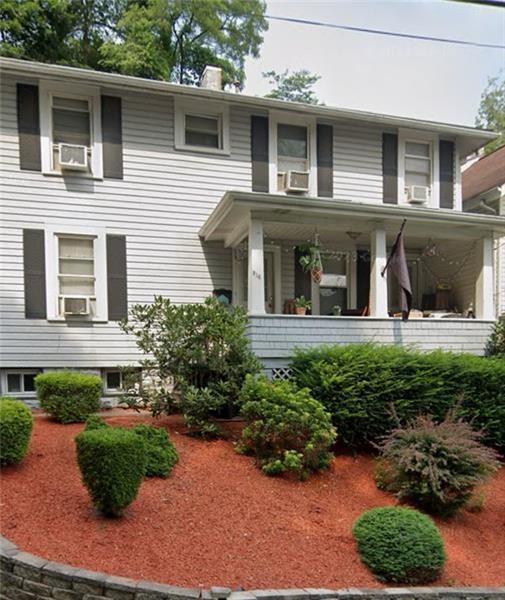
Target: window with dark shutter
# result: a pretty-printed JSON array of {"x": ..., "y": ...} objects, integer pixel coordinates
[
  {"x": 34, "y": 264},
  {"x": 112, "y": 137},
  {"x": 28, "y": 127},
  {"x": 325, "y": 161},
  {"x": 390, "y": 168},
  {"x": 446, "y": 155},
  {"x": 259, "y": 153},
  {"x": 117, "y": 290}
]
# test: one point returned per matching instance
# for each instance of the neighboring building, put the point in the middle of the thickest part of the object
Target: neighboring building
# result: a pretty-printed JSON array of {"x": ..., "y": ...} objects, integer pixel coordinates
[
  {"x": 484, "y": 193},
  {"x": 116, "y": 188}
]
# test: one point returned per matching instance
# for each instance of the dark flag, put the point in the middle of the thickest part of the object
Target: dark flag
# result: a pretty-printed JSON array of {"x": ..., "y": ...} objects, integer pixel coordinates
[{"x": 397, "y": 264}]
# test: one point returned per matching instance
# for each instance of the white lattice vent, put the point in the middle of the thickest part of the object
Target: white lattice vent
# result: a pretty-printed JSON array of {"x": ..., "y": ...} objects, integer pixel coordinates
[{"x": 281, "y": 373}]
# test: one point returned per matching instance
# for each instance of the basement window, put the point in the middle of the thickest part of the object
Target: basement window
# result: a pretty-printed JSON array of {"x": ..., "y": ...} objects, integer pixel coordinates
[{"x": 20, "y": 383}]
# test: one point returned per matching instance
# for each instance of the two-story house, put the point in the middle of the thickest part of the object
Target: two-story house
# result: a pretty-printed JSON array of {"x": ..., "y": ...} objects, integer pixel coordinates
[{"x": 117, "y": 188}]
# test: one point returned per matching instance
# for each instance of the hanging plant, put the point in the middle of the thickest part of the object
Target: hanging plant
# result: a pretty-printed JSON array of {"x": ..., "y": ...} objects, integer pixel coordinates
[{"x": 310, "y": 261}]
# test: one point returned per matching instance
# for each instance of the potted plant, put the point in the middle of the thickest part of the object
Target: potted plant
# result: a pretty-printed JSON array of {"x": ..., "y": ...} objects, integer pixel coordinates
[
  {"x": 337, "y": 310},
  {"x": 310, "y": 261},
  {"x": 302, "y": 305}
]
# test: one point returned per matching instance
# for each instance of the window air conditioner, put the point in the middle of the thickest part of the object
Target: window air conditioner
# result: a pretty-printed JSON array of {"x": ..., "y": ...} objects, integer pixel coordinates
[
  {"x": 418, "y": 194},
  {"x": 75, "y": 305},
  {"x": 73, "y": 157},
  {"x": 296, "y": 181}
]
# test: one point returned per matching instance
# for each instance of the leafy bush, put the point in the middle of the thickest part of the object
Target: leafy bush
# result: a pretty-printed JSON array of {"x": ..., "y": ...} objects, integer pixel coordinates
[
  {"x": 496, "y": 342},
  {"x": 68, "y": 396},
  {"x": 203, "y": 347},
  {"x": 287, "y": 429},
  {"x": 400, "y": 545},
  {"x": 161, "y": 453},
  {"x": 359, "y": 383},
  {"x": 95, "y": 422},
  {"x": 435, "y": 465},
  {"x": 112, "y": 461},
  {"x": 16, "y": 424}
]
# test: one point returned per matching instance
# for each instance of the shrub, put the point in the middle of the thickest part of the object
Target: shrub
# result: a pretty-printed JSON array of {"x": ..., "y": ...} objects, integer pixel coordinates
[
  {"x": 68, "y": 396},
  {"x": 359, "y": 383},
  {"x": 203, "y": 347},
  {"x": 94, "y": 422},
  {"x": 287, "y": 430},
  {"x": 400, "y": 545},
  {"x": 112, "y": 462},
  {"x": 435, "y": 465},
  {"x": 496, "y": 343},
  {"x": 161, "y": 453},
  {"x": 16, "y": 424}
]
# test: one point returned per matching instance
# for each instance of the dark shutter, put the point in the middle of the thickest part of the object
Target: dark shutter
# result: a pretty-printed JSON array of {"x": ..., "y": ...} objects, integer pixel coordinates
[
  {"x": 303, "y": 282},
  {"x": 116, "y": 277},
  {"x": 390, "y": 168},
  {"x": 259, "y": 153},
  {"x": 34, "y": 264},
  {"x": 112, "y": 137},
  {"x": 446, "y": 155},
  {"x": 325, "y": 161},
  {"x": 363, "y": 279},
  {"x": 28, "y": 126}
]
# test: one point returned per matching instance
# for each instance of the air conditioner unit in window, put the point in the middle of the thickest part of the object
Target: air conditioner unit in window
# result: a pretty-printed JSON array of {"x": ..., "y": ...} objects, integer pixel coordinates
[
  {"x": 73, "y": 157},
  {"x": 296, "y": 181},
  {"x": 417, "y": 194},
  {"x": 75, "y": 305}
]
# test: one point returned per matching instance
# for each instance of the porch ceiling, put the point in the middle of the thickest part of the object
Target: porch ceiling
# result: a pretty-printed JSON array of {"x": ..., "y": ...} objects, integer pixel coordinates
[{"x": 295, "y": 218}]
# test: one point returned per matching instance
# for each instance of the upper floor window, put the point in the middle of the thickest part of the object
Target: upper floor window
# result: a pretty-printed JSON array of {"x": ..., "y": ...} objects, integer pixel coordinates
[
  {"x": 292, "y": 151},
  {"x": 202, "y": 127},
  {"x": 418, "y": 164}
]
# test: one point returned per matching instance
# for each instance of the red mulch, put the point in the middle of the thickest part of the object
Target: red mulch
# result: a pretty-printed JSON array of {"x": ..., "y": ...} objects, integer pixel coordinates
[{"x": 219, "y": 520}]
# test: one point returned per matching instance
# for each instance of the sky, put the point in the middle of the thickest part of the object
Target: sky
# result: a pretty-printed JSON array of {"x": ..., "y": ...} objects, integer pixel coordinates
[{"x": 405, "y": 77}]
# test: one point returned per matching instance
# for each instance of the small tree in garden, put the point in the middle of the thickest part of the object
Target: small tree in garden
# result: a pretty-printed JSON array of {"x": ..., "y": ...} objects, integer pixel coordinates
[
  {"x": 203, "y": 347},
  {"x": 496, "y": 342},
  {"x": 435, "y": 465}
]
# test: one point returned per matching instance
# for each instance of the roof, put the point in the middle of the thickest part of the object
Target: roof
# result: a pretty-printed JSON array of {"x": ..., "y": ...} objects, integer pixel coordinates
[
  {"x": 485, "y": 174},
  {"x": 468, "y": 138}
]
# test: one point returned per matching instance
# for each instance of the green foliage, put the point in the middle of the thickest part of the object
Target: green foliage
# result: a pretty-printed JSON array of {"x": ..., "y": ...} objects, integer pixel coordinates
[
  {"x": 295, "y": 87},
  {"x": 16, "y": 424},
  {"x": 161, "y": 453},
  {"x": 496, "y": 342},
  {"x": 400, "y": 545},
  {"x": 491, "y": 113},
  {"x": 95, "y": 422},
  {"x": 287, "y": 430},
  {"x": 112, "y": 461},
  {"x": 359, "y": 383},
  {"x": 68, "y": 396},
  {"x": 203, "y": 347},
  {"x": 302, "y": 302},
  {"x": 435, "y": 465}
]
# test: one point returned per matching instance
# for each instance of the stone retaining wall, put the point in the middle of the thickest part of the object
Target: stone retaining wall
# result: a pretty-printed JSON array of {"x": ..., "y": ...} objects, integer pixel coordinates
[{"x": 24, "y": 576}]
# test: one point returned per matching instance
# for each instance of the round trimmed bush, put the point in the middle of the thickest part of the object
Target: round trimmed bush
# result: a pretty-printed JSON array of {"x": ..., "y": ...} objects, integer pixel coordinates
[
  {"x": 68, "y": 396},
  {"x": 161, "y": 453},
  {"x": 400, "y": 545},
  {"x": 112, "y": 461},
  {"x": 16, "y": 424}
]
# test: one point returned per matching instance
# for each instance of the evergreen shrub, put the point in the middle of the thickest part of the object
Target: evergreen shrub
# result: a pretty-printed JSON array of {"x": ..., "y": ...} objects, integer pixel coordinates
[
  {"x": 161, "y": 452},
  {"x": 16, "y": 424}
]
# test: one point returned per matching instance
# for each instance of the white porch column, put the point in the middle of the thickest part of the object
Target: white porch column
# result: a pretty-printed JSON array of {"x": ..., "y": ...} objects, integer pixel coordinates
[
  {"x": 484, "y": 286},
  {"x": 256, "y": 268},
  {"x": 378, "y": 284}
]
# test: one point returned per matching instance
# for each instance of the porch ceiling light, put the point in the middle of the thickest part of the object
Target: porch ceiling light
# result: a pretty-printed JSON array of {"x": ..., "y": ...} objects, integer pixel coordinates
[{"x": 353, "y": 235}]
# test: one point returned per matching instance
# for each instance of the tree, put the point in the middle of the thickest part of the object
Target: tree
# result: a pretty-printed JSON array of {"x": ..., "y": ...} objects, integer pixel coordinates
[
  {"x": 491, "y": 113},
  {"x": 294, "y": 87}
]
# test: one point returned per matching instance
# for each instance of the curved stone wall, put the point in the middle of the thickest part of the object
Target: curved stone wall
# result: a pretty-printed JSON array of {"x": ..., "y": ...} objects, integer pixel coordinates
[{"x": 25, "y": 576}]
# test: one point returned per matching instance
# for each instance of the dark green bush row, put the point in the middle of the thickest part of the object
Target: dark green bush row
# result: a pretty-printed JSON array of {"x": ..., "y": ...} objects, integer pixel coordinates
[
  {"x": 113, "y": 462},
  {"x": 287, "y": 430},
  {"x": 68, "y": 396},
  {"x": 16, "y": 424},
  {"x": 400, "y": 545},
  {"x": 358, "y": 384}
]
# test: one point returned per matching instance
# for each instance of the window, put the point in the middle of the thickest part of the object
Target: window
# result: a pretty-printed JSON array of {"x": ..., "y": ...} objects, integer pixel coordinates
[
  {"x": 417, "y": 164},
  {"x": 20, "y": 382},
  {"x": 202, "y": 127},
  {"x": 113, "y": 381},
  {"x": 71, "y": 121},
  {"x": 292, "y": 151},
  {"x": 76, "y": 276}
]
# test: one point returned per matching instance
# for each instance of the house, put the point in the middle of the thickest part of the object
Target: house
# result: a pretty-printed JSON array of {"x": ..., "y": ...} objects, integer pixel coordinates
[
  {"x": 484, "y": 192},
  {"x": 117, "y": 188}
]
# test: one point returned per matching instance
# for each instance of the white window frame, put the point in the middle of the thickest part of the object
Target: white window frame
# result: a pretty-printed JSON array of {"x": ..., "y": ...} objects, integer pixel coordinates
[
  {"x": 404, "y": 136},
  {"x": 201, "y": 109},
  {"x": 112, "y": 391},
  {"x": 285, "y": 118},
  {"x": 91, "y": 94},
  {"x": 52, "y": 233},
  {"x": 21, "y": 373}
]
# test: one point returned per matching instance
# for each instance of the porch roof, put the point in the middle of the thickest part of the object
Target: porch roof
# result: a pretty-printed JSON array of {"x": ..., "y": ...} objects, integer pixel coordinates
[{"x": 229, "y": 221}]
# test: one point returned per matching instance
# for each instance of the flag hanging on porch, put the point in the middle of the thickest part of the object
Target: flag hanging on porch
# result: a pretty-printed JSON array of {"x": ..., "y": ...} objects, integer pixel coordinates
[{"x": 397, "y": 264}]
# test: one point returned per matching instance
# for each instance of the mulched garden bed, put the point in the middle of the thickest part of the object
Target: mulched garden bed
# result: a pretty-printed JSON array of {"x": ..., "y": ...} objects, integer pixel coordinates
[{"x": 217, "y": 520}]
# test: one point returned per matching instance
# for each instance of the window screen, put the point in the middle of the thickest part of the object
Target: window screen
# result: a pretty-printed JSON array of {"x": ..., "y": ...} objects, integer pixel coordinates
[
  {"x": 71, "y": 121},
  {"x": 76, "y": 268},
  {"x": 417, "y": 164},
  {"x": 203, "y": 131}
]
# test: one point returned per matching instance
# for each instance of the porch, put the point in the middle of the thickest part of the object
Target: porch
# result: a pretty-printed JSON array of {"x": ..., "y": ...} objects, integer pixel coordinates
[{"x": 450, "y": 260}]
